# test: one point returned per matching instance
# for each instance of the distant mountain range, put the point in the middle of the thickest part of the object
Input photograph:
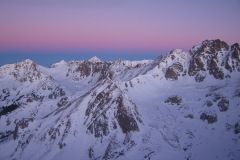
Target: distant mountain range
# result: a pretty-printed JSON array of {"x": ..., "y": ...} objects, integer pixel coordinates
[{"x": 183, "y": 105}]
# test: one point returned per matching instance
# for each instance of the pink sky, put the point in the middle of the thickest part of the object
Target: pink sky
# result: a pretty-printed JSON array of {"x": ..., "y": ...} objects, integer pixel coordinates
[{"x": 119, "y": 25}]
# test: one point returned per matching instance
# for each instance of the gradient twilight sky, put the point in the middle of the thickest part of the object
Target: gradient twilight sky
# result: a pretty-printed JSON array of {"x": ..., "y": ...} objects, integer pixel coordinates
[{"x": 114, "y": 26}]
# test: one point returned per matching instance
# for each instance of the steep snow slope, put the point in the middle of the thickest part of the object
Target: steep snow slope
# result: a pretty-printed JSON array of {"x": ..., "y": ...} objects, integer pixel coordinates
[{"x": 183, "y": 105}]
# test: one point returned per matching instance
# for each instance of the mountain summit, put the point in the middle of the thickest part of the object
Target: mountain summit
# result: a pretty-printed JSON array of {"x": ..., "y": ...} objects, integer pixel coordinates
[
  {"x": 94, "y": 59},
  {"x": 183, "y": 105}
]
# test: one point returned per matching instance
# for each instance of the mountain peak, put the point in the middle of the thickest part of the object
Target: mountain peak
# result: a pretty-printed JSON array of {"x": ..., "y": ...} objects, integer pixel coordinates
[
  {"x": 176, "y": 51},
  {"x": 215, "y": 43},
  {"x": 27, "y": 61},
  {"x": 61, "y": 62},
  {"x": 94, "y": 59},
  {"x": 209, "y": 47}
]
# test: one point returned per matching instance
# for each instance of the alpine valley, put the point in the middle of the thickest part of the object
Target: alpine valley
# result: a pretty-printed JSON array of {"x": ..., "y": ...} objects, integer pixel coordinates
[{"x": 182, "y": 105}]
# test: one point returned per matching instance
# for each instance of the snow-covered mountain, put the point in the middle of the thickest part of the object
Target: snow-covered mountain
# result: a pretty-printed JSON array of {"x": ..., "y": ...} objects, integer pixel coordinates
[{"x": 183, "y": 105}]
